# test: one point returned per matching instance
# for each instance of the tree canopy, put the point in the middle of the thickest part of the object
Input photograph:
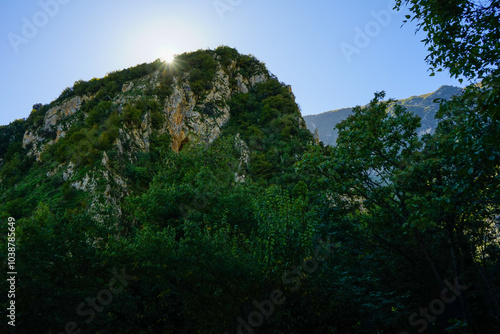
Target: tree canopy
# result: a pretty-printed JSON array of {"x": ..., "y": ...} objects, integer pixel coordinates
[{"x": 462, "y": 35}]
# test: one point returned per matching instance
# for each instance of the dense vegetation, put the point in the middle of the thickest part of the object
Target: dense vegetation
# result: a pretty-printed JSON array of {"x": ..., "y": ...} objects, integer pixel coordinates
[{"x": 386, "y": 232}]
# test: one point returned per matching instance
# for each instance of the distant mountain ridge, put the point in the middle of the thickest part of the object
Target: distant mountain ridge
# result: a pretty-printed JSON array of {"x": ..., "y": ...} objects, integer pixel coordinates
[{"x": 421, "y": 105}]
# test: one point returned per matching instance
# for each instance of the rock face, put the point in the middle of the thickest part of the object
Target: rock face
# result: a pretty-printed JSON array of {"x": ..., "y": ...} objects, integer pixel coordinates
[
  {"x": 184, "y": 110},
  {"x": 68, "y": 108},
  {"x": 53, "y": 121},
  {"x": 179, "y": 111},
  {"x": 184, "y": 114}
]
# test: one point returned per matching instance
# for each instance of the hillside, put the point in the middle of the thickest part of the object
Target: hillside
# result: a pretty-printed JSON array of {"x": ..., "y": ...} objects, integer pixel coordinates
[
  {"x": 105, "y": 139},
  {"x": 182, "y": 153},
  {"x": 422, "y": 105}
]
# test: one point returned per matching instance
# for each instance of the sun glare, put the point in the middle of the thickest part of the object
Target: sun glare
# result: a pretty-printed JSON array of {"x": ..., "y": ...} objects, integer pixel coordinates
[
  {"x": 167, "y": 53},
  {"x": 168, "y": 58}
]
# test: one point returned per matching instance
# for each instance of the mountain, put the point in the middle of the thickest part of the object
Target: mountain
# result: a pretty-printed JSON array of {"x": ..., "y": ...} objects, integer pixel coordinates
[
  {"x": 155, "y": 179},
  {"x": 423, "y": 105},
  {"x": 106, "y": 139}
]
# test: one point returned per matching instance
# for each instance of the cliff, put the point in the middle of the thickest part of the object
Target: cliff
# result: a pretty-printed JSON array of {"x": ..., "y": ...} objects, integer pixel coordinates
[{"x": 106, "y": 139}]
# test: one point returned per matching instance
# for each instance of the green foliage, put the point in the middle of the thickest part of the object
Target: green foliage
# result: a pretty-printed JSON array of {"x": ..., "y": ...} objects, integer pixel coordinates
[
  {"x": 13, "y": 170},
  {"x": 286, "y": 228},
  {"x": 425, "y": 106},
  {"x": 76, "y": 147},
  {"x": 132, "y": 115},
  {"x": 83, "y": 145},
  {"x": 133, "y": 112},
  {"x": 37, "y": 116},
  {"x": 14, "y": 162},
  {"x": 269, "y": 121},
  {"x": 157, "y": 120},
  {"x": 227, "y": 54},
  {"x": 167, "y": 74},
  {"x": 408, "y": 196},
  {"x": 462, "y": 36},
  {"x": 57, "y": 255},
  {"x": 10, "y": 137},
  {"x": 202, "y": 73},
  {"x": 110, "y": 85},
  {"x": 100, "y": 113},
  {"x": 197, "y": 64},
  {"x": 191, "y": 180},
  {"x": 357, "y": 237},
  {"x": 249, "y": 66}
]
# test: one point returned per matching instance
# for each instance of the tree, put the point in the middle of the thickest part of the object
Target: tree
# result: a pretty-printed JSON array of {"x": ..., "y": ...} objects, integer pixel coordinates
[
  {"x": 465, "y": 158},
  {"x": 59, "y": 265},
  {"x": 369, "y": 202},
  {"x": 425, "y": 207},
  {"x": 462, "y": 35}
]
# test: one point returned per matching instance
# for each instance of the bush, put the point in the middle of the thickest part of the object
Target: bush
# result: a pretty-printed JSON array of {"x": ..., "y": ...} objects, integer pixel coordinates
[
  {"x": 107, "y": 138},
  {"x": 249, "y": 66},
  {"x": 10, "y": 134},
  {"x": 100, "y": 113},
  {"x": 157, "y": 120},
  {"x": 110, "y": 85},
  {"x": 76, "y": 137},
  {"x": 227, "y": 54},
  {"x": 132, "y": 115},
  {"x": 202, "y": 67}
]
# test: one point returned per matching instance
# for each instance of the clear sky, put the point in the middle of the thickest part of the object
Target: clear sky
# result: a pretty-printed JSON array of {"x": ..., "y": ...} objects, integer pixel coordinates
[{"x": 334, "y": 53}]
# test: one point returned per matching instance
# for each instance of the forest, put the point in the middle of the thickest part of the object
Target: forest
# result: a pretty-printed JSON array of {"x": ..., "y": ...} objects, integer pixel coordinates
[{"x": 265, "y": 229}]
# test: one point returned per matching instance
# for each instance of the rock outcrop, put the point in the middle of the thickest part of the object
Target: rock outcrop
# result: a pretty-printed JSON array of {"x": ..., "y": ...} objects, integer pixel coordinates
[{"x": 185, "y": 116}]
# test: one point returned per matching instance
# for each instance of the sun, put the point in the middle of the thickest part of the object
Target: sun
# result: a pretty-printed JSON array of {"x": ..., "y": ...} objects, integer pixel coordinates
[
  {"x": 167, "y": 54},
  {"x": 168, "y": 58}
]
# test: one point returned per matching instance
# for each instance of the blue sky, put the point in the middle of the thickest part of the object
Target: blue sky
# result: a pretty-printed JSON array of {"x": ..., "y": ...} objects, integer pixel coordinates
[{"x": 334, "y": 53}]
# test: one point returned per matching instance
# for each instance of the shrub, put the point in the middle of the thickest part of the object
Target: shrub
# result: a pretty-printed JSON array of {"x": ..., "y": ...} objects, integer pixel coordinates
[
  {"x": 107, "y": 138},
  {"x": 132, "y": 115},
  {"x": 227, "y": 54},
  {"x": 249, "y": 66},
  {"x": 157, "y": 120}
]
